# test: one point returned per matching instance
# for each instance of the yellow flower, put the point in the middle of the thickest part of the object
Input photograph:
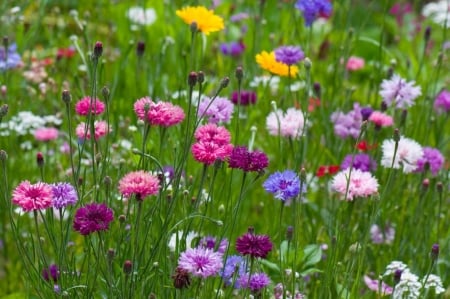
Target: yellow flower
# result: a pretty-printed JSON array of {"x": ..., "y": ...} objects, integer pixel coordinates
[
  {"x": 205, "y": 19},
  {"x": 268, "y": 62}
]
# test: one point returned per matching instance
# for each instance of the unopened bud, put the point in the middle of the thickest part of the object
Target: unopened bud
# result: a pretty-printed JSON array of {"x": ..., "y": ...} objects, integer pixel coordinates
[
  {"x": 107, "y": 181},
  {"x": 3, "y": 155},
  {"x": 127, "y": 267},
  {"x": 289, "y": 233},
  {"x": 98, "y": 50},
  {"x": 105, "y": 92},
  {"x": 307, "y": 63},
  {"x": 396, "y": 136},
  {"x": 200, "y": 77},
  {"x": 192, "y": 79},
  {"x": 317, "y": 89},
  {"x": 3, "y": 110},
  {"x": 239, "y": 73},
  {"x": 439, "y": 187},
  {"x": 397, "y": 276},
  {"x": 425, "y": 184},
  {"x": 122, "y": 218},
  {"x": 434, "y": 254},
  {"x": 40, "y": 159},
  {"x": 251, "y": 230},
  {"x": 384, "y": 106},
  {"x": 140, "y": 48},
  {"x": 427, "y": 34},
  {"x": 224, "y": 82},
  {"x": 66, "y": 97},
  {"x": 194, "y": 27}
]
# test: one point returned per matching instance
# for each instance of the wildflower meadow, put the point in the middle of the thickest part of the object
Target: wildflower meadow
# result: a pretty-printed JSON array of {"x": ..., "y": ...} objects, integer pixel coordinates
[{"x": 225, "y": 149}]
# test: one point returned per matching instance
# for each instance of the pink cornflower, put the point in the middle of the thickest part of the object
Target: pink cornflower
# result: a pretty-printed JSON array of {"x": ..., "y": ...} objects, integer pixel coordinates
[
  {"x": 83, "y": 106},
  {"x": 46, "y": 134},
  {"x": 101, "y": 129},
  {"x": 201, "y": 262},
  {"x": 377, "y": 285},
  {"x": 163, "y": 114},
  {"x": 355, "y": 63},
  {"x": 442, "y": 102},
  {"x": 357, "y": 184},
  {"x": 208, "y": 152},
  {"x": 381, "y": 119},
  {"x": 289, "y": 124},
  {"x": 140, "y": 184},
  {"x": 213, "y": 133},
  {"x": 33, "y": 197},
  {"x": 142, "y": 107}
]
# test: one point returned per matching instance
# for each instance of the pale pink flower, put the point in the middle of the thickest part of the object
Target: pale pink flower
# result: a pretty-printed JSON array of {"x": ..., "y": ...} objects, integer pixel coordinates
[
  {"x": 83, "y": 106},
  {"x": 408, "y": 154},
  {"x": 101, "y": 129},
  {"x": 140, "y": 184},
  {"x": 381, "y": 119},
  {"x": 46, "y": 134},
  {"x": 289, "y": 124},
  {"x": 377, "y": 286},
  {"x": 355, "y": 63},
  {"x": 142, "y": 106},
  {"x": 357, "y": 184}
]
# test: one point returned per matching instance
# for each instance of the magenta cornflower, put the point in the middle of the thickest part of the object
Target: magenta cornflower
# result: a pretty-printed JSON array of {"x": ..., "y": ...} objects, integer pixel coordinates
[
  {"x": 92, "y": 218},
  {"x": 255, "y": 283},
  {"x": 216, "y": 111},
  {"x": 208, "y": 152},
  {"x": 254, "y": 245},
  {"x": 100, "y": 130},
  {"x": 46, "y": 134},
  {"x": 85, "y": 106},
  {"x": 213, "y": 133},
  {"x": 247, "y": 98},
  {"x": 247, "y": 161},
  {"x": 32, "y": 197},
  {"x": 140, "y": 184},
  {"x": 431, "y": 157},
  {"x": 289, "y": 54},
  {"x": 201, "y": 262},
  {"x": 399, "y": 92},
  {"x": 52, "y": 272},
  {"x": 64, "y": 194},
  {"x": 381, "y": 119},
  {"x": 442, "y": 102},
  {"x": 357, "y": 184}
]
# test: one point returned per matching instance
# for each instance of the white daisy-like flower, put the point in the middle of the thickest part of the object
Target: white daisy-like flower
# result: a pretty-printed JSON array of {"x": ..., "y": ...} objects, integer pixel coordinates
[
  {"x": 433, "y": 281},
  {"x": 406, "y": 157},
  {"x": 438, "y": 12},
  {"x": 394, "y": 266},
  {"x": 408, "y": 287},
  {"x": 141, "y": 16}
]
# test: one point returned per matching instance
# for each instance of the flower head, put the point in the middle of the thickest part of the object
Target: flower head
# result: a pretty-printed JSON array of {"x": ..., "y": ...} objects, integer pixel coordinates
[
  {"x": 138, "y": 183},
  {"x": 210, "y": 242},
  {"x": 64, "y": 194},
  {"x": 288, "y": 124},
  {"x": 380, "y": 236},
  {"x": 92, "y": 218},
  {"x": 285, "y": 185},
  {"x": 406, "y": 157},
  {"x": 433, "y": 158},
  {"x": 409, "y": 285},
  {"x": 354, "y": 63},
  {"x": 362, "y": 162},
  {"x": 247, "y": 161},
  {"x": 141, "y": 16},
  {"x": 46, "y": 134},
  {"x": 100, "y": 129},
  {"x": 9, "y": 58},
  {"x": 327, "y": 170},
  {"x": 399, "y": 92},
  {"x": 355, "y": 184},
  {"x": 268, "y": 62},
  {"x": 347, "y": 124},
  {"x": 377, "y": 285},
  {"x": 381, "y": 119},
  {"x": 256, "y": 282},
  {"x": 213, "y": 133},
  {"x": 218, "y": 110},
  {"x": 442, "y": 102},
  {"x": 201, "y": 262},
  {"x": 163, "y": 114},
  {"x": 208, "y": 152},
  {"x": 438, "y": 12},
  {"x": 32, "y": 197},
  {"x": 289, "y": 54},
  {"x": 254, "y": 245},
  {"x": 86, "y": 105},
  {"x": 232, "y": 48},
  {"x": 433, "y": 282},
  {"x": 205, "y": 20},
  {"x": 312, "y": 9},
  {"x": 247, "y": 98},
  {"x": 52, "y": 272},
  {"x": 235, "y": 265}
]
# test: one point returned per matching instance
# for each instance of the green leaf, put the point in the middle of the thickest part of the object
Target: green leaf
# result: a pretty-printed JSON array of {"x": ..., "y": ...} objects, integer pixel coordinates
[
  {"x": 270, "y": 265},
  {"x": 313, "y": 255}
]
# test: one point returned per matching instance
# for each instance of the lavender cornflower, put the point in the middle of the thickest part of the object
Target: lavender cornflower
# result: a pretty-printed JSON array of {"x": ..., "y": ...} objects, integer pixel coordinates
[
  {"x": 442, "y": 102},
  {"x": 347, "y": 124},
  {"x": 232, "y": 48},
  {"x": 379, "y": 236},
  {"x": 64, "y": 194},
  {"x": 235, "y": 267},
  {"x": 247, "y": 161},
  {"x": 360, "y": 161},
  {"x": 9, "y": 58},
  {"x": 433, "y": 158},
  {"x": 92, "y": 218},
  {"x": 210, "y": 242},
  {"x": 256, "y": 282},
  {"x": 289, "y": 54},
  {"x": 285, "y": 185},
  {"x": 254, "y": 245},
  {"x": 217, "y": 110},
  {"x": 312, "y": 9},
  {"x": 396, "y": 90},
  {"x": 247, "y": 98},
  {"x": 201, "y": 262}
]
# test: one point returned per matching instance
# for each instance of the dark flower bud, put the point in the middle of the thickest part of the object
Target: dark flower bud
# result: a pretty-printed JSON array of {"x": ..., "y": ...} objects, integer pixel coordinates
[
  {"x": 251, "y": 230},
  {"x": 239, "y": 73},
  {"x": 396, "y": 136},
  {"x": 127, "y": 267},
  {"x": 384, "y": 106},
  {"x": 111, "y": 253},
  {"x": 425, "y": 184},
  {"x": 194, "y": 27},
  {"x": 66, "y": 97},
  {"x": 192, "y": 79},
  {"x": 289, "y": 233},
  {"x": 105, "y": 92},
  {"x": 107, "y": 181},
  {"x": 3, "y": 110},
  {"x": 224, "y": 82},
  {"x": 40, "y": 159},
  {"x": 140, "y": 48},
  {"x": 427, "y": 34},
  {"x": 397, "y": 276},
  {"x": 3, "y": 155},
  {"x": 434, "y": 254},
  {"x": 366, "y": 112},
  {"x": 200, "y": 77},
  {"x": 181, "y": 278},
  {"x": 98, "y": 50},
  {"x": 122, "y": 218},
  {"x": 403, "y": 117},
  {"x": 439, "y": 187},
  {"x": 390, "y": 72},
  {"x": 317, "y": 89},
  {"x": 80, "y": 181}
]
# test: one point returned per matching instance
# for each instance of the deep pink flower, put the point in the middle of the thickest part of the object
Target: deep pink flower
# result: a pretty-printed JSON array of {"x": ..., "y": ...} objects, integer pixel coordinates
[
  {"x": 208, "y": 152},
  {"x": 83, "y": 106},
  {"x": 92, "y": 218},
  {"x": 139, "y": 183},
  {"x": 247, "y": 161},
  {"x": 254, "y": 245},
  {"x": 213, "y": 133},
  {"x": 355, "y": 63},
  {"x": 381, "y": 119},
  {"x": 142, "y": 107},
  {"x": 33, "y": 197},
  {"x": 163, "y": 114},
  {"x": 442, "y": 102},
  {"x": 101, "y": 129},
  {"x": 46, "y": 134}
]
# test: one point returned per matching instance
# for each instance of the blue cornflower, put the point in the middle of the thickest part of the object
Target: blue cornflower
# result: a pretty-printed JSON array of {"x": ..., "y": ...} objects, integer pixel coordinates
[
  {"x": 9, "y": 58},
  {"x": 312, "y": 9},
  {"x": 285, "y": 185},
  {"x": 234, "y": 268}
]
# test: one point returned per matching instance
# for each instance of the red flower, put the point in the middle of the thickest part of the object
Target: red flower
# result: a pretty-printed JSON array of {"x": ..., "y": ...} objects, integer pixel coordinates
[
  {"x": 364, "y": 146},
  {"x": 327, "y": 169}
]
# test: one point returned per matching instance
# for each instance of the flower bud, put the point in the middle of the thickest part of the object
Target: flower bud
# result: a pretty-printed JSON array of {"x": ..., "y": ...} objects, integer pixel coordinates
[
  {"x": 194, "y": 27},
  {"x": 140, "y": 48},
  {"x": 307, "y": 63},
  {"x": 105, "y": 92},
  {"x": 3, "y": 110},
  {"x": 40, "y": 159},
  {"x": 397, "y": 276},
  {"x": 239, "y": 73},
  {"x": 98, "y": 50},
  {"x": 192, "y": 79},
  {"x": 3, "y": 155},
  {"x": 66, "y": 97},
  {"x": 396, "y": 136},
  {"x": 200, "y": 77},
  {"x": 289, "y": 233},
  {"x": 434, "y": 254},
  {"x": 224, "y": 82},
  {"x": 427, "y": 34},
  {"x": 127, "y": 267}
]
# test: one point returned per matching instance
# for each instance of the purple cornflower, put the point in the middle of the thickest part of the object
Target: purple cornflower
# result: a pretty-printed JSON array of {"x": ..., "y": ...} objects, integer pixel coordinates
[
  {"x": 396, "y": 90},
  {"x": 255, "y": 283},
  {"x": 285, "y": 185},
  {"x": 289, "y": 54},
  {"x": 9, "y": 58},
  {"x": 201, "y": 262},
  {"x": 366, "y": 112},
  {"x": 217, "y": 110},
  {"x": 64, "y": 194},
  {"x": 92, "y": 218},
  {"x": 247, "y": 98},
  {"x": 210, "y": 242},
  {"x": 382, "y": 236},
  {"x": 433, "y": 158},
  {"x": 254, "y": 245},
  {"x": 239, "y": 17},
  {"x": 52, "y": 272},
  {"x": 247, "y": 161},
  {"x": 360, "y": 161},
  {"x": 232, "y": 48},
  {"x": 442, "y": 102},
  {"x": 234, "y": 268},
  {"x": 347, "y": 124},
  {"x": 312, "y": 9}
]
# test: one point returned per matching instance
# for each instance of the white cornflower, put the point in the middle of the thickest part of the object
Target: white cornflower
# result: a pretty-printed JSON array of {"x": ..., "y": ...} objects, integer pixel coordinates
[
  {"x": 406, "y": 157},
  {"x": 141, "y": 16},
  {"x": 408, "y": 286},
  {"x": 434, "y": 282},
  {"x": 438, "y": 12},
  {"x": 394, "y": 266},
  {"x": 176, "y": 238}
]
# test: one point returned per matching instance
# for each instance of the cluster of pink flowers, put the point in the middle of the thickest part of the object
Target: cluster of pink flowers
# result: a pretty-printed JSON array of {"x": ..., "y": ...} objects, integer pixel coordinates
[
  {"x": 100, "y": 129},
  {"x": 213, "y": 143},
  {"x": 87, "y": 105},
  {"x": 163, "y": 114},
  {"x": 46, "y": 134}
]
